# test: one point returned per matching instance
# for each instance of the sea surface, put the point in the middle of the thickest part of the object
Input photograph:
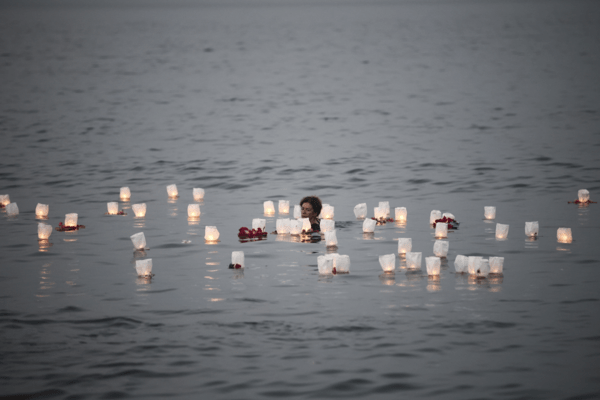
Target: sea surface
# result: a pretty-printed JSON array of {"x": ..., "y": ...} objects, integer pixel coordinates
[{"x": 433, "y": 105}]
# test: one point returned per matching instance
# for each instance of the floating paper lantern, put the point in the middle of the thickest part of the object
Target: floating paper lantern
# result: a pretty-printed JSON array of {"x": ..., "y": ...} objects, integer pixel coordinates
[
  {"x": 12, "y": 209},
  {"x": 563, "y": 235},
  {"x": 532, "y": 228},
  {"x": 327, "y": 225},
  {"x": 284, "y": 206},
  {"x": 125, "y": 193},
  {"x": 259, "y": 223},
  {"x": 139, "y": 241},
  {"x": 325, "y": 265},
  {"x": 342, "y": 264},
  {"x": 388, "y": 262},
  {"x": 44, "y": 231},
  {"x": 211, "y": 233},
  {"x": 461, "y": 264},
  {"x": 473, "y": 264},
  {"x": 484, "y": 268},
  {"x": 496, "y": 265},
  {"x": 144, "y": 267},
  {"x": 583, "y": 195},
  {"x": 440, "y": 248},
  {"x": 379, "y": 213},
  {"x": 384, "y": 206},
  {"x": 198, "y": 194},
  {"x": 297, "y": 211},
  {"x": 327, "y": 212},
  {"x": 434, "y": 215},
  {"x": 413, "y": 260},
  {"x": 404, "y": 245},
  {"x": 113, "y": 208},
  {"x": 433, "y": 265},
  {"x": 139, "y": 209},
  {"x": 368, "y": 225},
  {"x": 331, "y": 239},
  {"x": 306, "y": 225},
  {"x": 237, "y": 257},
  {"x": 441, "y": 230},
  {"x": 501, "y": 231},
  {"x": 489, "y": 212},
  {"x": 448, "y": 215},
  {"x": 295, "y": 226},
  {"x": 269, "y": 207},
  {"x": 400, "y": 214},
  {"x": 172, "y": 191},
  {"x": 360, "y": 210},
  {"x": 71, "y": 220},
  {"x": 4, "y": 199},
  {"x": 194, "y": 210},
  {"x": 41, "y": 210},
  {"x": 283, "y": 225}
]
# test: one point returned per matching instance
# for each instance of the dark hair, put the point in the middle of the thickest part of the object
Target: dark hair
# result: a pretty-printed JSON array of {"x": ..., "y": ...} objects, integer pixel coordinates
[{"x": 314, "y": 201}]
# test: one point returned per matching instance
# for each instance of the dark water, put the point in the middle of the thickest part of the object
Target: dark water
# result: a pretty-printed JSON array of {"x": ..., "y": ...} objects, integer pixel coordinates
[{"x": 437, "y": 105}]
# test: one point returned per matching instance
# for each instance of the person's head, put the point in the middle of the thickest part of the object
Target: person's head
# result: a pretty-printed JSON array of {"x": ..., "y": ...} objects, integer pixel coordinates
[{"x": 311, "y": 207}]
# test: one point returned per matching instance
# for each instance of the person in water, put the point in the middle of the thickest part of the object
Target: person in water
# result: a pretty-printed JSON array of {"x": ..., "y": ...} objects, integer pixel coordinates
[{"x": 311, "y": 208}]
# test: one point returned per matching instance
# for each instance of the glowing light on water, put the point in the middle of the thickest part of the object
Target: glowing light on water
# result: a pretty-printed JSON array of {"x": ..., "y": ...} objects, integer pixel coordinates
[
  {"x": 269, "y": 207},
  {"x": 583, "y": 195},
  {"x": 193, "y": 211},
  {"x": 71, "y": 220},
  {"x": 44, "y": 231},
  {"x": 400, "y": 214},
  {"x": 172, "y": 191},
  {"x": 211, "y": 233}
]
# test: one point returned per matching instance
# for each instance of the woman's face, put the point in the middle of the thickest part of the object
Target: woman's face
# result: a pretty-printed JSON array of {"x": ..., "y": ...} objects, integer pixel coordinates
[{"x": 307, "y": 211}]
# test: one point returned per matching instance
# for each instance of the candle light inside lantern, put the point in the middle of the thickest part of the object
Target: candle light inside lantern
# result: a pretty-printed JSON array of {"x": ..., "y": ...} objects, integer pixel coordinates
[
  {"x": 12, "y": 209},
  {"x": 172, "y": 191},
  {"x": 282, "y": 226},
  {"x": 297, "y": 211},
  {"x": 198, "y": 194},
  {"x": 269, "y": 207},
  {"x": 211, "y": 233},
  {"x": 237, "y": 258},
  {"x": 193, "y": 210},
  {"x": 489, "y": 212},
  {"x": 259, "y": 223},
  {"x": 583, "y": 195},
  {"x": 379, "y": 213},
  {"x": 388, "y": 262},
  {"x": 113, "y": 208},
  {"x": 434, "y": 215},
  {"x": 71, "y": 220},
  {"x": 342, "y": 264},
  {"x": 331, "y": 239},
  {"x": 327, "y": 225},
  {"x": 360, "y": 210},
  {"x": 368, "y": 225},
  {"x": 563, "y": 235},
  {"x": 125, "y": 193},
  {"x": 496, "y": 265},
  {"x": 144, "y": 268},
  {"x": 441, "y": 230},
  {"x": 384, "y": 207},
  {"x": 532, "y": 228},
  {"x": 295, "y": 226},
  {"x": 139, "y": 209},
  {"x": 41, "y": 210},
  {"x": 413, "y": 260},
  {"x": 433, "y": 265},
  {"x": 44, "y": 231},
  {"x": 501, "y": 231},
  {"x": 139, "y": 241},
  {"x": 473, "y": 264},
  {"x": 325, "y": 265},
  {"x": 440, "y": 248},
  {"x": 284, "y": 206},
  {"x": 4, "y": 199},
  {"x": 327, "y": 211},
  {"x": 461, "y": 263},
  {"x": 400, "y": 214},
  {"x": 404, "y": 245},
  {"x": 306, "y": 225}
]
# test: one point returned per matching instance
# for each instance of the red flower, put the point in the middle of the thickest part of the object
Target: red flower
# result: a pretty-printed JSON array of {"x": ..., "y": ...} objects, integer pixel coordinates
[
  {"x": 333, "y": 271},
  {"x": 237, "y": 266}
]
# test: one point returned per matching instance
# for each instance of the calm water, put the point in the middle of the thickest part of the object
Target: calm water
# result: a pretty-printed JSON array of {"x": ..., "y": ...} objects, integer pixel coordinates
[{"x": 443, "y": 105}]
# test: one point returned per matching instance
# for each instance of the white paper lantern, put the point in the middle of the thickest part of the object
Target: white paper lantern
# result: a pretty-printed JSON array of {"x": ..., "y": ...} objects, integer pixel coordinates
[
  {"x": 198, "y": 194},
  {"x": 44, "y": 231},
  {"x": 4, "y": 199},
  {"x": 327, "y": 225},
  {"x": 237, "y": 257},
  {"x": 461, "y": 263},
  {"x": 501, "y": 231},
  {"x": 433, "y": 265},
  {"x": 440, "y": 248},
  {"x": 306, "y": 225},
  {"x": 384, "y": 206},
  {"x": 404, "y": 245},
  {"x": 327, "y": 212},
  {"x": 172, "y": 191},
  {"x": 489, "y": 212},
  {"x": 12, "y": 209},
  {"x": 563, "y": 235},
  {"x": 484, "y": 268},
  {"x": 583, "y": 195},
  {"x": 139, "y": 241},
  {"x": 194, "y": 210},
  {"x": 368, "y": 225},
  {"x": 284, "y": 206},
  {"x": 71, "y": 220},
  {"x": 413, "y": 260},
  {"x": 441, "y": 230},
  {"x": 342, "y": 264},
  {"x": 269, "y": 207},
  {"x": 259, "y": 223},
  {"x": 388, "y": 262},
  {"x": 325, "y": 265},
  {"x": 400, "y": 214},
  {"x": 448, "y": 215},
  {"x": 532, "y": 228},
  {"x": 297, "y": 211},
  {"x": 379, "y": 213},
  {"x": 296, "y": 226},
  {"x": 144, "y": 267},
  {"x": 331, "y": 239},
  {"x": 283, "y": 226},
  {"x": 360, "y": 210},
  {"x": 41, "y": 210},
  {"x": 125, "y": 193},
  {"x": 139, "y": 209},
  {"x": 211, "y": 233},
  {"x": 496, "y": 265},
  {"x": 434, "y": 215},
  {"x": 113, "y": 208},
  {"x": 473, "y": 264}
]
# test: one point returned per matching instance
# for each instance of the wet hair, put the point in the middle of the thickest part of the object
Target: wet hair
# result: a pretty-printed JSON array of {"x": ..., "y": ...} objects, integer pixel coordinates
[{"x": 315, "y": 202}]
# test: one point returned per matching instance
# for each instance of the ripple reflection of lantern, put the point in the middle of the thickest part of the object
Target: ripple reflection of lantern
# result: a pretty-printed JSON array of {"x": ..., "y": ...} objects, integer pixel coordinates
[
  {"x": 259, "y": 223},
  {"x": 360, "y": 210},
  {"x": 434, "y": 215},
  {"x": 496, "y": 265},
  {"x": 473, "y": 264},
  {"x": 4, "y": 199},
  {"x": 237, "y": 257},
  {"x": 368, "y": 225},
  {"x": 325, "y": 265},
  {"x": 413, "y": 260},
  {"x": 211, "y": 233},
  {"x": 297, "y": 211},
  {"x": 384, "y": 206},
  {"x": 113, "y": 208},
  {"x": 139, "y": 241},
  {"x": 284, "y": 206},
  {"x": 400, "y": 214},
  {"x": 331, "y": 239},
  {"x": 269, "y": 207},
  {"x": 71, "y": 220},
  {"x": 583, "y": 195},
  {"x": 342, "y": 264},
  {"x": 282, "y": 225},
  {"x": 461, "y": 263},
  {"x": 44, "y": 231},
  {"x": 41, "y": 210},
  {"x": 306, "y": 225},
  {"x": 144, "y": 267},
  {"x": 388, "y": 262},
  {"x": 125, "y": 193},
  {"x": 484, "y": 268},
  {"x": 441, "y": 230},
  {"x": 172, "y": 191},
  {"x": 404, "y": 245},
  {"x": 433, "y": 265},
  {"x": 489, "y": 212},
  {"x": 139, "y": 209},
  {"x": 327, "y": 211},
  {"x": 194, "y": 211},
  {"x": 379, "y": 212},
  {"x": 198, "y": 194},
  {"x": 501, "y": 231},
  {"x": 327, "y": 225},
  {"x": 295, "y": 226},
  {"x": 440, "y": 248},
  {"x": 532, "y": 228},
  {"x": 563, "y": 235},
  {"x": 12, "y": 209}
]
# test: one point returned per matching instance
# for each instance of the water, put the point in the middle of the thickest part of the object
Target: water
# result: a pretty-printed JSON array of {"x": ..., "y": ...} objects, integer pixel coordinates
[{"x": 451, "y": 106}]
